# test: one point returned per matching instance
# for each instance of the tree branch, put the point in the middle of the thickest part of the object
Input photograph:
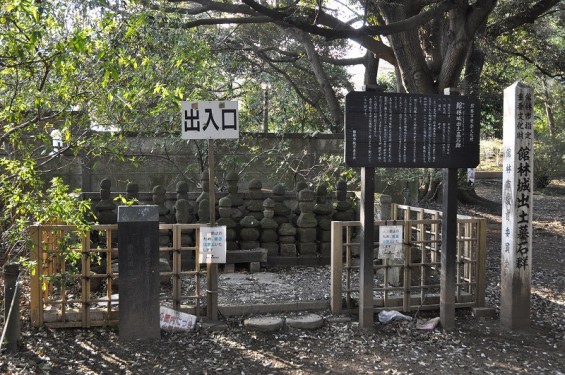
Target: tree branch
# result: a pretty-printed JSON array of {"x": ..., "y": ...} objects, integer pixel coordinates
[{"x": 529, "y": 15}]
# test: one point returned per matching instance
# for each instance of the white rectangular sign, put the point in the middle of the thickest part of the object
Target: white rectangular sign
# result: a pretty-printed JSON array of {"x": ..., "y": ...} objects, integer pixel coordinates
[
  {"x": 390, "y": 241},
  {"x": 212, "y": 245},
  {"x": 209, "y": 120}
]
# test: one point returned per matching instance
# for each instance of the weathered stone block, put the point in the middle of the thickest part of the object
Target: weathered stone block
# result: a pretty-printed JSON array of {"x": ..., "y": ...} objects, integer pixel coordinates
[
  {"x": 307, "y": 248},
  {"x": 288, "y": 249}
]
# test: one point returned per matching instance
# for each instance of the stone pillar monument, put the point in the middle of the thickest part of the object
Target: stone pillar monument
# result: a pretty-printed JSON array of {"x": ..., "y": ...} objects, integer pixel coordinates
[{"x": 517, "y": 210}]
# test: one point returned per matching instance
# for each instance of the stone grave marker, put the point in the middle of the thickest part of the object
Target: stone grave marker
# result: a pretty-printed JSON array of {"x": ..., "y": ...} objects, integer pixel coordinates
[{"x": 138, "y": 251}]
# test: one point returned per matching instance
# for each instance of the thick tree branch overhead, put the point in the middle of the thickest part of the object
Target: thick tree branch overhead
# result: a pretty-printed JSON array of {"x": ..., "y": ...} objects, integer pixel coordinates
[
  {"x": 529, "y": 15},
  {"x": 397, "y": 31}
]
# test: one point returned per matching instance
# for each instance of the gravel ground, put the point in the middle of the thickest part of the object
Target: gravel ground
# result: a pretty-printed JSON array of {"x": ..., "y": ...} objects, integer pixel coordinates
[{"x": 339, "y": 347}]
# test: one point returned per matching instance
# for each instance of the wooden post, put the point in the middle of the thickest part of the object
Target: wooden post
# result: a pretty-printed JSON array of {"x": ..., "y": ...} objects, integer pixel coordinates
[
  {"x": 448, "y": 244},
  {"x": 336, "y": 267},
  {"x": 367, "y": 216},
  {"x": 448, "y": 249},
  {"x": 212, "y": 268},
  {"x": 36, "y": 256}
]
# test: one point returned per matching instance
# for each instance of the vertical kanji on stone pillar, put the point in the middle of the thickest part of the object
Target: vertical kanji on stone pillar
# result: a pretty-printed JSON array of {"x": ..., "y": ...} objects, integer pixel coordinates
[{"x": 517, "y": 210}]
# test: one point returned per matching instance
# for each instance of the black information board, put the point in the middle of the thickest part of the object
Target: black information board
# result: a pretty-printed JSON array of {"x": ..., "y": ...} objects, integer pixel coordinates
[{"x": 411, "y": 130}]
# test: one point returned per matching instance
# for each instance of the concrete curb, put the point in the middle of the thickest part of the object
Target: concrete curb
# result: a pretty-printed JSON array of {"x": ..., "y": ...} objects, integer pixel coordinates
[
  {"x": 235, "y": 310},
  {"x": 264, "y": 324},
  {"x": 310, "y": 321}
]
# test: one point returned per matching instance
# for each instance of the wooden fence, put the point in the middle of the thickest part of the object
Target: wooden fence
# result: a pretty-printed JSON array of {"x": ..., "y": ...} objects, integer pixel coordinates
[
  {"x": 412, "y": 281},
  {"x": 75, "y": 274}
]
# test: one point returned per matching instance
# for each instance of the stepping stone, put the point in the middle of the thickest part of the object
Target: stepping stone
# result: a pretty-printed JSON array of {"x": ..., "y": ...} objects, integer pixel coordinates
[
  {"x": 264, "y": 324},
  {"x": 310, "y": 321}
]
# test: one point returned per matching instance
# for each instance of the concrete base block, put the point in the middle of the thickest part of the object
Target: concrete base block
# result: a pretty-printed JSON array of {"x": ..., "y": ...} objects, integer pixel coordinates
[
  {"x": 272, "y": 248},
  {"x": 229, "y": 268},
  {"x": 288, "y": 249},
  {"x": 246, "y": 256},
  {"x": 263, "y": 324},
  {"x": 307, "y": 248},
  {"x": 484, "y": 312},
  {"x": 254, "y": 267}
]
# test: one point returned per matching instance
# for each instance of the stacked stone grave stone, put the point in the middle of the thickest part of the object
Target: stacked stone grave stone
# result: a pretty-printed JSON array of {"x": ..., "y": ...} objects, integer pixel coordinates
[
  {"x": 226, "y": 219},
  {"x": 249, "y": 232},
  {"x": 132, "y": 192},
  {"x": 255, "y": 203},
  {"x": 269, "y": 236},
  {"x": 159, "y": 196},
  {"x": 282, "y": 211},
  {"x": 323, "y": 210},
  {"x": 343, "y": 209},
  {"x": 106, "y": 208},
  {"x": 300, "y": 185},
  {"x": 203, "y": 211},
  {"x": 182, "y": 190},
  {"x": 306, "y": 223},
  {"x": 184, "y": 213},
  {"x": 287, "y": 239},
  {"x": 232, "y": 180},
  {"x": 204, "y": 195},
  {"x": 105, "y": 212}
]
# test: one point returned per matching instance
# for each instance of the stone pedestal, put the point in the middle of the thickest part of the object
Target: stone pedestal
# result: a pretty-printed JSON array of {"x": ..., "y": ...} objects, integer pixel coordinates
[{"x": 287, "y": 239}]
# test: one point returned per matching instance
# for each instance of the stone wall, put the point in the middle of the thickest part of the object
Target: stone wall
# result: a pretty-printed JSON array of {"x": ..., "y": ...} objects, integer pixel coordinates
[{"x": 166, "y": 161}]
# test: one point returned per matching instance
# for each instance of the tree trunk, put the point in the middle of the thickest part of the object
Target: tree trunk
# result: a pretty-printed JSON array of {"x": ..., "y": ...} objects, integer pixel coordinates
[
  {"x": 548, "y": 110},
  {"x": 323, "y": 81},
  {"x": 416, "y": 76}
]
